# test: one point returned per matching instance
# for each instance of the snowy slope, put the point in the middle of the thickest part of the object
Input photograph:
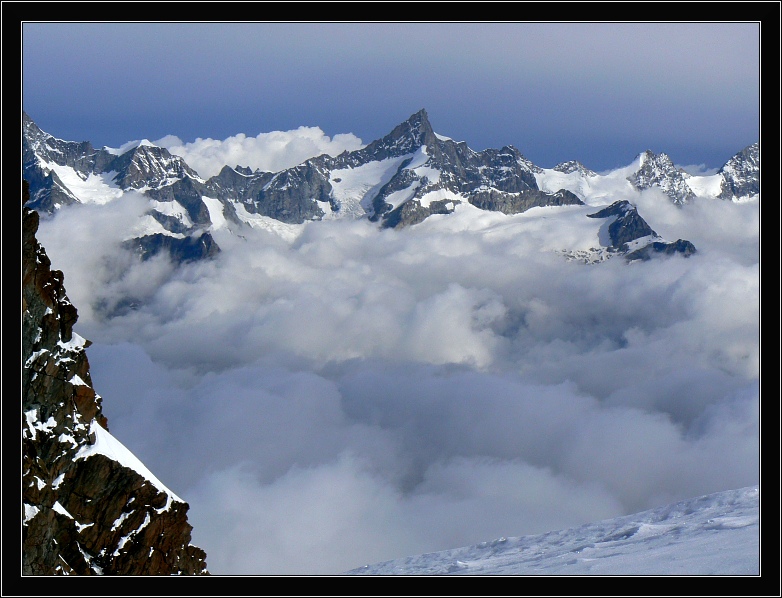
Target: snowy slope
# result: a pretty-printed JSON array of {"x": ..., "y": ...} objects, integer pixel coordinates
[{"x": 717, "y": 534}]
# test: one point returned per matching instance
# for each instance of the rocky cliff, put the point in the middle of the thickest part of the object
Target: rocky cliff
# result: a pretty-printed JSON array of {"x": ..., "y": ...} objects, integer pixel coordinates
[{"x": 89, "y": 506}]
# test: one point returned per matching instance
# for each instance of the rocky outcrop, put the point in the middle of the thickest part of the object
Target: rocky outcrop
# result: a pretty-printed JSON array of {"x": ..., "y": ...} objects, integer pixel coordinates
[
  {"x": 626, "y": 226},
  {"x": 412, "y": 212},
  {"x": 629, "y": 234},
  {"x": 88, "y": 505}
]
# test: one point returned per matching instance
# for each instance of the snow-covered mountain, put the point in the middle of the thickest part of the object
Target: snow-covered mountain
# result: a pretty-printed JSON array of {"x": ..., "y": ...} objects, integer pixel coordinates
[
  {"x": 398, "y": 180},
  {"x": 716, "y": 534}
]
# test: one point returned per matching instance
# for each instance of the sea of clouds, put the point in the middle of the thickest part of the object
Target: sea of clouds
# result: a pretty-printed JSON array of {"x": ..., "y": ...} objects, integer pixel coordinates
[{"x": 341, "y": 394}]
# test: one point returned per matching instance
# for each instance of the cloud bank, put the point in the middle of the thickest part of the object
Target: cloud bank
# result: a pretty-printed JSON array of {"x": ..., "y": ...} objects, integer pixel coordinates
[
  {"x": 270, "y": 152},
  {"x": 348, "y": 395}
]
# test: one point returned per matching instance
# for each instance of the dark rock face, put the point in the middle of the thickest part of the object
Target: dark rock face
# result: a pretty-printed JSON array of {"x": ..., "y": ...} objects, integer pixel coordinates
[
  {"x": 741, "y": 174},
  {"x": 514, "y": 203},
  {"x": 658, "y": 170},
  {"x": 292, "y": 195},
  {"x": 238, "y": 183},
  {"x": 181, "y": 250},
  {"x": 412, "y": 212},
  {"x": 627, "y": 226},
  {"x": 187, "y": 192},
  {"x": 83, "y": 511}
]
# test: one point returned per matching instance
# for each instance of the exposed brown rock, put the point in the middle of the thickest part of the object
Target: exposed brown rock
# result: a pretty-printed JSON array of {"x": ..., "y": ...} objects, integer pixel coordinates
[{"x": 83, "y": 512}]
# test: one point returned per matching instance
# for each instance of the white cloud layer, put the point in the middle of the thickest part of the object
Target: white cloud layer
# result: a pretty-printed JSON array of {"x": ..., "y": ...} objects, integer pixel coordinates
[
  {"x": 270, "y": 152},
  {"x": 351, "y": 395}
]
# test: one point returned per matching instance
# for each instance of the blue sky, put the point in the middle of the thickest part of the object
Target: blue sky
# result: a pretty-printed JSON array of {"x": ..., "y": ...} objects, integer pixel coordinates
[{"x": 596, "y": 92}]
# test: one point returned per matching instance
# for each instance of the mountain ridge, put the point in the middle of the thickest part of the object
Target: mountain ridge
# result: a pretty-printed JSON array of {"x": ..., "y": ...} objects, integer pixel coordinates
[{"x": 396, "y": 181}]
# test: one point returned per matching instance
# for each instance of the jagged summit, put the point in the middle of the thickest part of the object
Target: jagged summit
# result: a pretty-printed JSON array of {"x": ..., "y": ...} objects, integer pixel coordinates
[
  {"x": 30, "y": 130},
  {"x": 658, "y": 170},
  {"x": 417, "y": 128},
  {"x": 146, "y": 165},
  {"x": 405, "y": 138}
]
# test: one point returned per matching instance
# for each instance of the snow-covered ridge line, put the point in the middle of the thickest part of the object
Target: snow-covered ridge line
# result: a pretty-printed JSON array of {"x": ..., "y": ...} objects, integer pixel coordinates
[
  {"x": 126, "y": 147},
  {"x": 105, "y": 444}
]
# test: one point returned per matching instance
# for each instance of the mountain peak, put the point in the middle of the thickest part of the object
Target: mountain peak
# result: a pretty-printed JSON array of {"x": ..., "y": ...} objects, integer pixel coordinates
[
  {"x": 406, "y": 138},
  {"x": 416, "y": 129},
  {"x": 646, "y": 156},
  {"x": 574, "y": 166},
  {"x": 420, "y": 118},
  {"x": 658, "y": 170}
]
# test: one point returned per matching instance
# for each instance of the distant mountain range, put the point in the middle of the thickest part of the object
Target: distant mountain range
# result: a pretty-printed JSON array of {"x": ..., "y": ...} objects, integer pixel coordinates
[{"x": 397, "y": 181}]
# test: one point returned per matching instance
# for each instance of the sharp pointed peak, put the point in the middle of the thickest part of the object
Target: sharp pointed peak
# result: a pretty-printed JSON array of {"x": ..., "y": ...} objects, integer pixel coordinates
[
  {"x": 411, "y": 133},
  {"x": 421, "y": 114},
  {"x": 419, "y": 121}
]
